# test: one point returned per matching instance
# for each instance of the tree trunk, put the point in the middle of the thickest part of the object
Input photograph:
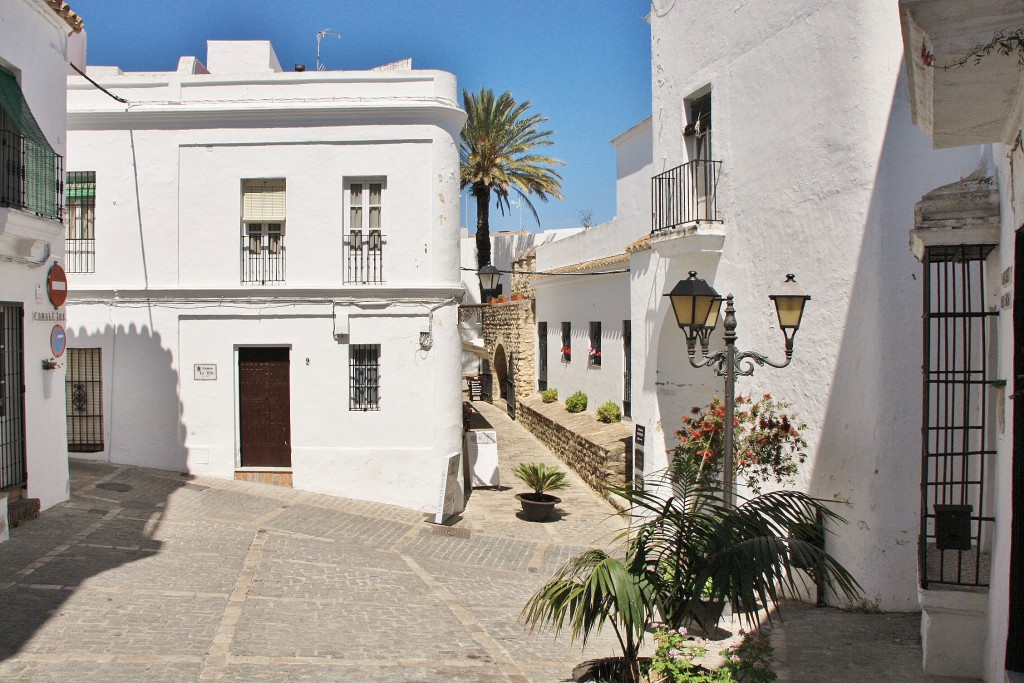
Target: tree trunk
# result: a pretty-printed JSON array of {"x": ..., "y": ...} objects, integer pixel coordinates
[{"x": 482, "y": 194}]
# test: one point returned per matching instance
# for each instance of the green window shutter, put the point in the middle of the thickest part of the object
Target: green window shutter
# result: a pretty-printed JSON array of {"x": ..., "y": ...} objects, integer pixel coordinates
[{"x": 40, "y": 160}]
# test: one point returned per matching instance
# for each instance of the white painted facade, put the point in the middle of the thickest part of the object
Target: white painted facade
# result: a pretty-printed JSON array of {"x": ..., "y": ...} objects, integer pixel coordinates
[
  {"x": 821, "y": 167},
  {"x": 33, "y": 41},
  {"x": 592, "y": 286},
  {"x": 979, "y": 633},
  {"x": 168, "y": 304}
]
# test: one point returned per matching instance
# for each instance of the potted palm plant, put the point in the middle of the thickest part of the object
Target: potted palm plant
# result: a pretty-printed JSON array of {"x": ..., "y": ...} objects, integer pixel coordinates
[{"x": 539, "y": 505}]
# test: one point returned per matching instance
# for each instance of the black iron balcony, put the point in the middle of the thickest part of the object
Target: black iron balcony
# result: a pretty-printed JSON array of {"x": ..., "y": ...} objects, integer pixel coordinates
[
  {"x": 364, "y": 257},
  {"x": 31, "y": 176},
  {"x": 263, "y": 257},
  {"x": 685, "y": 194}
]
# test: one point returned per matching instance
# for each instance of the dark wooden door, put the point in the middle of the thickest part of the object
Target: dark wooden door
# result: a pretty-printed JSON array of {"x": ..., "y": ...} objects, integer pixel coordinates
[{"x": 264, "y": 407}]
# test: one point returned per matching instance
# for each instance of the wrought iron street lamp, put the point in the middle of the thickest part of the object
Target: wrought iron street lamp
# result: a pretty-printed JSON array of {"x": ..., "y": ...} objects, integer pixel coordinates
[
  {"x": 489, "y": 276},
  {"x": 697, "y": 305}
]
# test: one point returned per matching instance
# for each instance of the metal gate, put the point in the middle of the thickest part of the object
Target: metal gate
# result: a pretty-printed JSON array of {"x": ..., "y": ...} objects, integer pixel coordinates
[
  {"x": 957, "y": 445},
  {"x": 12, "y": 397},
  {"x": 510, "y": 387}
]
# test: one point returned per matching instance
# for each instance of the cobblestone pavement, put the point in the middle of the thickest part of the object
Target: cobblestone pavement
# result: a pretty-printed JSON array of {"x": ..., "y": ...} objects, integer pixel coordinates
[{"x": 155, "y": 576}]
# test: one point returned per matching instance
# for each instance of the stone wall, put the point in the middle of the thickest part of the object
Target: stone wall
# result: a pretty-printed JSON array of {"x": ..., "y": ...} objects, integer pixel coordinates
[
  {"x": 511, "y": 325},
  {"x": 597, "y": 451}
]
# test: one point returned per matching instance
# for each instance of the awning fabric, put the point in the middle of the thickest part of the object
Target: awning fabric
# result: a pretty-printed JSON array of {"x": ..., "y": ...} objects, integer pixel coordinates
[{"x": 17, "y": 109}]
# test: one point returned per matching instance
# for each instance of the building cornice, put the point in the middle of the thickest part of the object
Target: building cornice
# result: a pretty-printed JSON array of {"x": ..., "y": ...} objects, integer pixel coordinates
[
  {"x": 266, "y": 295},
  {"x": 260, "y": 114}
]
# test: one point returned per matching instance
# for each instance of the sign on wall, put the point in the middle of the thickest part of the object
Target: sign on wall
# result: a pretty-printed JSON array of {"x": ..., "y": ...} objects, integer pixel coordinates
[
  {"x": 58, "y": 341},
  {"x": 57, "y": 285},
  {"x": 205, "y": 372}
]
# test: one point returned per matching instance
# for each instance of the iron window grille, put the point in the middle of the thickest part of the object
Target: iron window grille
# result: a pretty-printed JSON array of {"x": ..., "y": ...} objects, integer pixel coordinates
[
  {"x": 566, "y": 342},
  {"x": 364, "y": 377},
  {"x": 31, "y": 173},
  {"x": 594, "y": 352},
  {"x": 627, "y": 368},
  {"x": 80, "y": 222},
  {"x": 364, "y": 257},
  {"x": 542, "y": 352},
  {"x": 957, "y": 447},
  {"x": 83, "y": 389},
  {"x": 12, "y": 397}
]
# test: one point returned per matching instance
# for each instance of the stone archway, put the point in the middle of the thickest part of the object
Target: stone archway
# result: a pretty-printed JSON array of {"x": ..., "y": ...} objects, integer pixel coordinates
[{"x": 499, "y": 367}]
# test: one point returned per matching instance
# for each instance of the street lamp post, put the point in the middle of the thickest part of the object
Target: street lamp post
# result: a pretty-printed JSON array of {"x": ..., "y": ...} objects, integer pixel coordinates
[{"x": 696, "y": 306}]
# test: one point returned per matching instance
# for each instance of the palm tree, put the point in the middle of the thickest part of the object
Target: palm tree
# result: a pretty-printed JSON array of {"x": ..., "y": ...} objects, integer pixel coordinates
[
  {"x": 497, "y": 155},
  {"x": 689, "y": 549}
]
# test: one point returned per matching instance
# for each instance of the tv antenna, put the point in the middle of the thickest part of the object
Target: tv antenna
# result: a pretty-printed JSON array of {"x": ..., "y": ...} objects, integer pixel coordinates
[{"x": 320, "y": 35}]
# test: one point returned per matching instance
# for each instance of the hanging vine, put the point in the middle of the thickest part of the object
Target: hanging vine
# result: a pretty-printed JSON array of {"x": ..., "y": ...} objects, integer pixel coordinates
[{"x": 1005, "y": 43}]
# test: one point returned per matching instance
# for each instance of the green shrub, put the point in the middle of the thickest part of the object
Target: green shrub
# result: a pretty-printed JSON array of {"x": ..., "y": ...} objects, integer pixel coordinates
[
  {"x": 576, "y": 403},
  {"x": 549, "y": 395},
  {"x": 540, "y": 477},
  {"x": 609, "y": 412}
]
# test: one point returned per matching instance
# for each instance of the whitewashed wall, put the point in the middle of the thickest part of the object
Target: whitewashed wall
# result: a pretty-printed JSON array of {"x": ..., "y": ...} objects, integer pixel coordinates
[
  {"x": 166, "y": 294},
  {"x": 32, "y": 39},
  {"x": 821, "y": 168}
]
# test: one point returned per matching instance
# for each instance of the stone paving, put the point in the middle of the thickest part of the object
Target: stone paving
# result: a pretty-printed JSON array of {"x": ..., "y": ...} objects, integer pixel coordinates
[{"x": 155, "y": 576}]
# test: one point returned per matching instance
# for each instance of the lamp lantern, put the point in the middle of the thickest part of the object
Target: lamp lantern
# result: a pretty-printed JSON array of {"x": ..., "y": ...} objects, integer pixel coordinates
[
  {"x": 489, "y": 276},
  {"x": 789, "y": 304}
]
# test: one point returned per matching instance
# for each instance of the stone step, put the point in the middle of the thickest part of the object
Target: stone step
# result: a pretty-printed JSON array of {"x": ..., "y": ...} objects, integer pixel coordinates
[{"x": 21, "y": 509}]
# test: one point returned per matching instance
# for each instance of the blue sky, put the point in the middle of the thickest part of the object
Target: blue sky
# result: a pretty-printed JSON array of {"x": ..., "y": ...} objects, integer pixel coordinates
[{"x": 585, "y": 64}]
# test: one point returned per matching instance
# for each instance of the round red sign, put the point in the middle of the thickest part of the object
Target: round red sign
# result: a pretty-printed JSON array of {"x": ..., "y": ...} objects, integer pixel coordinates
[{"x": 57, "y": 285}]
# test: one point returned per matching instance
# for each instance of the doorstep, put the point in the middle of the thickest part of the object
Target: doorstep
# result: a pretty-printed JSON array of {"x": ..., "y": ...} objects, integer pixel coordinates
[{"x": 275, "y": 476}]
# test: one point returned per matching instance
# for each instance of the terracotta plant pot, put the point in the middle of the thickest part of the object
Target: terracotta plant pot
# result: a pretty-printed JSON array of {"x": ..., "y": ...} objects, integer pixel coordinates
[
  {"x": 518, "y": 296},
  {"x": 538, "y": 507}
]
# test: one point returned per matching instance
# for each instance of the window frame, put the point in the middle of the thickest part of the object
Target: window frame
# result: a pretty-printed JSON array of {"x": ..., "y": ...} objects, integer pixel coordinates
[
  {"x": 566, "y": 342},
  {"x": 594, "y": 352},
  {"x": 364, "y": 377}
]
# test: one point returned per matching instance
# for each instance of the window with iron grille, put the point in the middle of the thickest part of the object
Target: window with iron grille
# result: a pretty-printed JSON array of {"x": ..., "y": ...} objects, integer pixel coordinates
[
  {"x": 594, "y": 352},
  {"x": 566, "y": 342},
  {"x": 957, "y": 445},
  {"x": 263, "y": 231},
  {"x": 542, "y": 354},
  {"x": 80, "y": 222},
  {"x": 83, "y": 389},
  {"x": 364, "y": 239},
  {"x": 364, "y": 377}
]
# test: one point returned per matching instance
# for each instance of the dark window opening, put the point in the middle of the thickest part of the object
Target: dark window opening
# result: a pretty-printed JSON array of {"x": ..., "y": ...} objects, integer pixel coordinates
[{"x": 364, "y": 377}]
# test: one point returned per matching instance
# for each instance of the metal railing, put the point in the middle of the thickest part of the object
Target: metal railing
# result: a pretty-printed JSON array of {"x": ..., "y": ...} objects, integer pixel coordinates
[
  {"x": 364, "y": 257},
  {"x": 80, "y": 255},
  {"x": 263, "y": 258},
  {"x": 31, "y": 176},
  {"x": 685, "y": 194}
]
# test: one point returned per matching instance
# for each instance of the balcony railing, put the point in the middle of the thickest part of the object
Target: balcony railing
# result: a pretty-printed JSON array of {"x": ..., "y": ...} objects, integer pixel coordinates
[
  {"x": 685, "y": 194},
  {"x": 31, "y": 176},
  {"x": 364, "y": 257},
  {"x": 263, "y": 258}
]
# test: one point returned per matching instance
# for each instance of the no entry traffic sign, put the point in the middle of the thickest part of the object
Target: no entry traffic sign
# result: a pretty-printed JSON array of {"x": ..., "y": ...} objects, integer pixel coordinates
[{"x": 57, "y": 285}]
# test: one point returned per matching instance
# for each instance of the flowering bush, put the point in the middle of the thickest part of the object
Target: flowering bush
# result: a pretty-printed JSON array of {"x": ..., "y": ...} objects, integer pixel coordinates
[
  {"x": 594, "y": 356},
  {"x": 566, "y": 354},
  {"x": 674, "y": 660},
  {"x": 766, "y": 436}
]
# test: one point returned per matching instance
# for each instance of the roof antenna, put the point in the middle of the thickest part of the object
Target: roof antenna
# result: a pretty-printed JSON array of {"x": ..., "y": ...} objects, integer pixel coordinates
[{"x": 320, "y": 35}]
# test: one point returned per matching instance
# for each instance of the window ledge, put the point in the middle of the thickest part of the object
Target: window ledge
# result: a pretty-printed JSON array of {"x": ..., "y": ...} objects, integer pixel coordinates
[{"x": 24, "y": 234}]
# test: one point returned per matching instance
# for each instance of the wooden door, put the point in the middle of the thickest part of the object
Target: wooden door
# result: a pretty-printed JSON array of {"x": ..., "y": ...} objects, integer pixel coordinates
[{"x": 264, "y": 407}]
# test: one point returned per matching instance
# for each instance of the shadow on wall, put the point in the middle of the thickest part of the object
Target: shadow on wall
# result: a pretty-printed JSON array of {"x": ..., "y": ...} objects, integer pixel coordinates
[
  {"x": 869, "y": 452},
  {"x": 142, "y": 411},
  {"x": 111, "y": 521}
]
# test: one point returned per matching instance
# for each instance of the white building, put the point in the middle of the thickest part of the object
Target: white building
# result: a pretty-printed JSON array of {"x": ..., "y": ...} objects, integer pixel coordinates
[
  {"x": 267, "y": 279},
  {"x": 34, "y": 38},
  {"x": 968, "y": 236},
  {"x": 583, "y": 311}
]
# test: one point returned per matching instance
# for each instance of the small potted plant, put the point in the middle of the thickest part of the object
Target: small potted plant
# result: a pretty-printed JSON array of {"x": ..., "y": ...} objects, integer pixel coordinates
[{"x": 539, "y": 505}]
